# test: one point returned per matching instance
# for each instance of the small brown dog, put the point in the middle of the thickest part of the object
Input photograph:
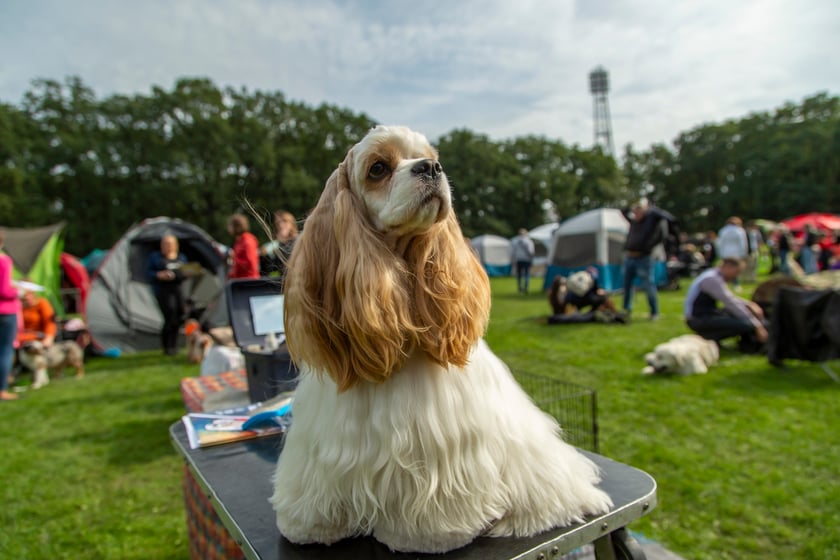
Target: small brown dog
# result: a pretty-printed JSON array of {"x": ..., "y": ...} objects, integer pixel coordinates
[
  {"x": 198, "y": 342},
  {"x": 557, "y": 296},
  {"x": 40, "y": 360}
]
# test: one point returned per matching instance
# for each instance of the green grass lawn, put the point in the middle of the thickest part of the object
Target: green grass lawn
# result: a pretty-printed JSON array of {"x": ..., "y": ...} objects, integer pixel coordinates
[{"x": 746, "y": 457}]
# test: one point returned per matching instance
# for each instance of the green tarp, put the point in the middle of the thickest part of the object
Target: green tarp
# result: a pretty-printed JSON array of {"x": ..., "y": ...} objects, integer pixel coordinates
[{"x": 36, "y": 255}]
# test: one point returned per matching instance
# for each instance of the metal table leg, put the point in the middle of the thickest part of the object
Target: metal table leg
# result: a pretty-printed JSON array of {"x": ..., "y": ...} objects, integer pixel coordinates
[{"x": 618, "y": 545}]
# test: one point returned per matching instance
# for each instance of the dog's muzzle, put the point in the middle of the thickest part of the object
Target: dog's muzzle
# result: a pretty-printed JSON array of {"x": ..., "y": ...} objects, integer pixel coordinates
[{"x": 427, "y": 169}]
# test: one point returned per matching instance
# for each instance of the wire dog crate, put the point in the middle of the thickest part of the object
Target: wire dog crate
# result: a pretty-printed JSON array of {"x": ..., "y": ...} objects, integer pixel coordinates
[{"x": 573, "y": 406}]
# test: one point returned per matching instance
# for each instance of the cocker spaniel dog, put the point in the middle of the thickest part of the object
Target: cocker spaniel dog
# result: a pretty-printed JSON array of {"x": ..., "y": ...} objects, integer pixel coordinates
[
  {"x": 683, "y": 355},
  {"x": 406, "y": 426}
]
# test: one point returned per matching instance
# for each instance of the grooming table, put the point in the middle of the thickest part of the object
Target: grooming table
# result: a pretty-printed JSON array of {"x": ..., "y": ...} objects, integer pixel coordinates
[{"x": 236, "y": 478}]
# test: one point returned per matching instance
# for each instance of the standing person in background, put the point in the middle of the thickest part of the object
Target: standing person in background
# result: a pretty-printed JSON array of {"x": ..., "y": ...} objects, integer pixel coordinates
[
  {"x": 523, "y": 256},
  {"x": 808, "y": 252},
  {"x": 644, "y": 235},
  {"x": 164, "y": 273},
  {"x": 9, "y": 312},
  {"x": 784, "y": 245},
  {"x": 244, "y": 256},
  {"x": 826, "y": 240},
  {"x": 732, "y": 243},
  {"x": 754, "y": 242},
  {"x": 275, "y": 254},
  {"x": 709, "y": 248}
]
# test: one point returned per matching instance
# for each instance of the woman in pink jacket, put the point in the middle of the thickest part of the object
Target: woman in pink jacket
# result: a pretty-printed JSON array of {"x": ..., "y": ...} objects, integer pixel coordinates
[{"x": 9, "y": 311}]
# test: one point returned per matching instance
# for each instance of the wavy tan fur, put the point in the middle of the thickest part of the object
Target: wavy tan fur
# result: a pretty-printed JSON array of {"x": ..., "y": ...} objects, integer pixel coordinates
[{"x": 357, "y": 309}]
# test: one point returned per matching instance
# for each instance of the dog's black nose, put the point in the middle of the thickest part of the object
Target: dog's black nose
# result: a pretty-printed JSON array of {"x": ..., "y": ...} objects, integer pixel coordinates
[{"x": 428, "y": 167}]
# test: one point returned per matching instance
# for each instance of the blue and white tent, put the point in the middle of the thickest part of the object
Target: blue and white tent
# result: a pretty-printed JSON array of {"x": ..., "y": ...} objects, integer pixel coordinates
[
  {"x": 494, "y": 253},
  {"x": 594, "y": 238}
]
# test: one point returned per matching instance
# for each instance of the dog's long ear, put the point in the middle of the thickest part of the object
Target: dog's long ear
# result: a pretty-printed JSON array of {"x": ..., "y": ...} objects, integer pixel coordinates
[
  {"x": 347, "y": 309},
  {"x": 309, "y": 286},
  {"x": 452, "y": 292}
]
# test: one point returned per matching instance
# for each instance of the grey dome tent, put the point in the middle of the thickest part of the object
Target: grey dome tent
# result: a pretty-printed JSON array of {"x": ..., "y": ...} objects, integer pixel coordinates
[
  {"x": 121, "y": 311},
  {"x": 591, "y": 239}
]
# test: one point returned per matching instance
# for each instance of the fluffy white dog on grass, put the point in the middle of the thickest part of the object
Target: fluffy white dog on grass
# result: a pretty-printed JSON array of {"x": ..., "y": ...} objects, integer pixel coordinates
[
  {"x": 407, "y": 427},
  {"x": 683, "y": 355}
]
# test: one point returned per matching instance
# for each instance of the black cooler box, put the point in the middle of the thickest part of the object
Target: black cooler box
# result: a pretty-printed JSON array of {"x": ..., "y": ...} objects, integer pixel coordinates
[{"x": 255, "y": 307}]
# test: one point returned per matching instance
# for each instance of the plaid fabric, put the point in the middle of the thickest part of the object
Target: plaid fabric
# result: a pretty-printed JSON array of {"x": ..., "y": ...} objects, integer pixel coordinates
[
  {"x": 209, "y": 540},
  {"x": 195, "y": 389}
]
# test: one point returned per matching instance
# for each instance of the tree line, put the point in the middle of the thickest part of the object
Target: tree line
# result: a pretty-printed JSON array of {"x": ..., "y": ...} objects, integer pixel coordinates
[{"x": 200, "y": 153}]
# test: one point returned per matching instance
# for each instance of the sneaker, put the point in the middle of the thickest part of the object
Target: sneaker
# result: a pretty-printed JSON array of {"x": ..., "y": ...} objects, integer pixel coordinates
[{"x": 655, "y": 317}]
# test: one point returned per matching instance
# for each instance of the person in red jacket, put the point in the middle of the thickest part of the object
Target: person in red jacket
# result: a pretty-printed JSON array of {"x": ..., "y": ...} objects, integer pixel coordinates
[{"x": 244, "y": 257}]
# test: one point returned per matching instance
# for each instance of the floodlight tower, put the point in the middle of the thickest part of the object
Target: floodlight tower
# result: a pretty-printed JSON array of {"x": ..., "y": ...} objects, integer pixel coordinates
[{"x": 599, "y": 86}]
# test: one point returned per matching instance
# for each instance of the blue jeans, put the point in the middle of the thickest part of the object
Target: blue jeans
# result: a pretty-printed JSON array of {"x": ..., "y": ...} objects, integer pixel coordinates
[
  {"x": 784, "y": 268},
  {"x": 8, "y": 332},
  {"x": 809, "y": 260},
  {"x": 641, "y": 268}
]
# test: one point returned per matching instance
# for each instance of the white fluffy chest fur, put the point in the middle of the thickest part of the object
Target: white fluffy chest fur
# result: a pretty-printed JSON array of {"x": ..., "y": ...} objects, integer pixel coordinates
[{"x": 428, "y": 460}]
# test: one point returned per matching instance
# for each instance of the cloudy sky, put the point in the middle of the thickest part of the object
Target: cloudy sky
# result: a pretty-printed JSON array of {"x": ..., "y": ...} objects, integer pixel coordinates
[{"x": 504, "y": 68}]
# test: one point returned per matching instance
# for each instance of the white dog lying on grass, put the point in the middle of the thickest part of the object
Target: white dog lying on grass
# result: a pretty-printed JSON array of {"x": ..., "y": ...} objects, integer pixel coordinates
[{"x": 684, "y": 355}]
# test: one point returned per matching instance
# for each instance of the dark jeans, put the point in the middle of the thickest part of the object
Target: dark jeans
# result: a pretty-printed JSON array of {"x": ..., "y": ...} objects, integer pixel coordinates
[
  {"x": 523, "y": 275},
  {"x": 172, "y": 307},
  {"x": 8, "y": 333},
  {"x": 718, "y": 327},
  {"x": 723, "y": 325}
]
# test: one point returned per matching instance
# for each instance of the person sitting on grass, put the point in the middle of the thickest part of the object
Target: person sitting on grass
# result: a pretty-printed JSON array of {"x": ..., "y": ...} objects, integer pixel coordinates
[
  {"x": 581, "y": 291},
  {"x": 737, "y": 317}
]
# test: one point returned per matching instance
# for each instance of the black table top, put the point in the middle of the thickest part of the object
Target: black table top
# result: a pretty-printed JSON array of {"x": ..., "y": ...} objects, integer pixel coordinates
[{"x": 237, "y": 478}]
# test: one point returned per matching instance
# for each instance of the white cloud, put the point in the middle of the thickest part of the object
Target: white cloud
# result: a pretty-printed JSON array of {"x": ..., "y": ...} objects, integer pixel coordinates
[{"x": 500, "y": 68}]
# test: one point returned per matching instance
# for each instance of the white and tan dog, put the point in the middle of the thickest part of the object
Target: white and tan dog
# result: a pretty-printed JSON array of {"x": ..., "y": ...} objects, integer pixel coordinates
[
  {"x": 406, "y": 426},
  {"x": 684, "y": 355},
  {"x": 41, "y": 360}
]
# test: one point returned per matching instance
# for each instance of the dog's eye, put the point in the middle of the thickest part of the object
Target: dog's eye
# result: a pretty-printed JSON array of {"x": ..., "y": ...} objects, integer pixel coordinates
[{"x": 378, "y": 171}]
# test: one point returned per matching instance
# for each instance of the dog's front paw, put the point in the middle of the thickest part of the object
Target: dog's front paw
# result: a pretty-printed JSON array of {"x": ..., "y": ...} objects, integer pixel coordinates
[
  {"x": 321, "y": 531},
  {"x": 424, "y": 543},
  {"x": 40, "y": 379}
]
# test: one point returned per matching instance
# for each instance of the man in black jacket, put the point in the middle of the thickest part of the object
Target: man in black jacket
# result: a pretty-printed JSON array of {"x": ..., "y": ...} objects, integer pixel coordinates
[{"x": 646, "y": 232}]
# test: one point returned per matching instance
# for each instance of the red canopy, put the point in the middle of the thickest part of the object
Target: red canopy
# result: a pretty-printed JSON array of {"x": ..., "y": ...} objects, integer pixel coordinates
[
  {"x": 823, "y": 221},
  {"x": 76, "y": 275}
]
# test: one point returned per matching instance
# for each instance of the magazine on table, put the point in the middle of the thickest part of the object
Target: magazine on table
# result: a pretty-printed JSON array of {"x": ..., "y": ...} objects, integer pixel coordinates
[{"x": 226, "y": 426}]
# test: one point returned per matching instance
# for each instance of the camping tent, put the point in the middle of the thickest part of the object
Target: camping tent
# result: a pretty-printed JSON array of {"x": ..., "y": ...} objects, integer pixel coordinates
[
  {"x": 93, "y": 259},
  {"x": 594, "y": 238},
  {"x": 121, "y": 311},
  {"x": 35, "y": 254},
  {"x": 544, "y": 233},
  {"x": 75, "y": 283},
  {"x": 494, "y": 253},
  {"x": 541, "y": 236}
]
